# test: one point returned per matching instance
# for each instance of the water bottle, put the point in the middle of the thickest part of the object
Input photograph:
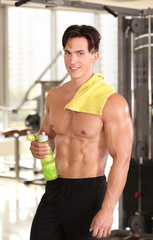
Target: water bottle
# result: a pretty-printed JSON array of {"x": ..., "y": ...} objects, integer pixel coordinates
[{"x": 47, "y": 163}]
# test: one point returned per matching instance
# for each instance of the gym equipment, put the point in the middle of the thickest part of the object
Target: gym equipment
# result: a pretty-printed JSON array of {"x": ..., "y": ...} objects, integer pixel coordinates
[
  {"x": 118, "y": 234},
  {"x": 135, "y": 84},
  {"x": 32, "y": 121},
  {"x": 16, "y": 133},
  {"x": 122, "y": 234},
  {"x": 89, "y": 6}
]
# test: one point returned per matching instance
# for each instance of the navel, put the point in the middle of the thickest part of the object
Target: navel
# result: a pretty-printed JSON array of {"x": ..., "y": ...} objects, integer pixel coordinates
[{"x": 83, "y": 132}]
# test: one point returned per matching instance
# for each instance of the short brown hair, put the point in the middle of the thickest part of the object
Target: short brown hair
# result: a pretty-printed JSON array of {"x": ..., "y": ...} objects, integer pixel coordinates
[{"x": 90, "y": 33}]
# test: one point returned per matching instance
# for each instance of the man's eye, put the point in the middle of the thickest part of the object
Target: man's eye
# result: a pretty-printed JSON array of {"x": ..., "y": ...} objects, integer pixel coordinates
[
  {"x": 80, "y": 53},
  {"x": 67, "y": 53}
]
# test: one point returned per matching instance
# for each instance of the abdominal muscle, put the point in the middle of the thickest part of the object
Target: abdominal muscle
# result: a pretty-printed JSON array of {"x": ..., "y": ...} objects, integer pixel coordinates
[{"x": 78, "y": 157}]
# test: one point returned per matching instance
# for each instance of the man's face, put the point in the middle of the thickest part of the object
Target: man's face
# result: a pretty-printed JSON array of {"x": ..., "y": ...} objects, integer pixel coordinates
[{"x": 78, "y": 60}]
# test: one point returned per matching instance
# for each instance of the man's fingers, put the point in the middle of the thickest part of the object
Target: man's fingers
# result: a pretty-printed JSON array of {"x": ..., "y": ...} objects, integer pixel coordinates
[
  {"x": 109, "y": 231},
  {"x": 95, "y": 232},
  {"x": 39, "y": 150},
  {"x": 105, "y": 232},
  {"x": 100, "y": 233},
  {"x": 99, "y": 227},
  {"x": 91, "y": 226}
]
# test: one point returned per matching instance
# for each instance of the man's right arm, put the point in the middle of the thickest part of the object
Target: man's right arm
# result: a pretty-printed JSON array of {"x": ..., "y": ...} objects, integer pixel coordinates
[
  {"x": 41, "y": 150},
  {"x": 118, "y": 130}
]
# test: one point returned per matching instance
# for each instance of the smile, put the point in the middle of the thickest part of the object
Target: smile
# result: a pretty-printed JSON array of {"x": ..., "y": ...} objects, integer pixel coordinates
[{"x": 74, "y": 68}]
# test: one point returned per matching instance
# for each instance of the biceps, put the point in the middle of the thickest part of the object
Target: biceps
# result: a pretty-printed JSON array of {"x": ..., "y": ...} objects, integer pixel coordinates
[
  {"x": 45, "y": 124},
  {"x": 119, "y": 138}
]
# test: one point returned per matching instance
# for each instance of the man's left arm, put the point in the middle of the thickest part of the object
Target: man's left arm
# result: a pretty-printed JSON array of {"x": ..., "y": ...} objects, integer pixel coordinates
[{"x": 118, "y": 131}]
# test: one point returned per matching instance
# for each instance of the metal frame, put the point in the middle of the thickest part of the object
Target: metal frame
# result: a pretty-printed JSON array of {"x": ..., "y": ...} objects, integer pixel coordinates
[
  {"x": 128, "y": 79},
  {"x": 4, "y": 99},
  {"x": 132, "y": 76},
  {"x": 149, "y": 91},
  {"x": 89, "y": 6}
]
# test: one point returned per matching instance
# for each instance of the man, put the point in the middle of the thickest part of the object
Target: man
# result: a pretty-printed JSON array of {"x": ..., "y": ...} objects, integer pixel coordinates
[{"x": 78, "y": 205}]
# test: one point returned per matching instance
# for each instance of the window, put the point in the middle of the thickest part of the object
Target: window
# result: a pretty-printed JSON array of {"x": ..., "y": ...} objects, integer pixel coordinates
[
  {"x": 109, "y": 49},
  {"x": 29, "y": 52}
]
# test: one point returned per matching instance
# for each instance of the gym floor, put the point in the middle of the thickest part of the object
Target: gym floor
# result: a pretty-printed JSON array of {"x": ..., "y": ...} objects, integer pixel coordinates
[{"x": 18, "y": 204}]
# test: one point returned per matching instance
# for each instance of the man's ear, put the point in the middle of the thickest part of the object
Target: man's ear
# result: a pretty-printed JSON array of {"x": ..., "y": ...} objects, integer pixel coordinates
[{"x": 95, "y": 57}]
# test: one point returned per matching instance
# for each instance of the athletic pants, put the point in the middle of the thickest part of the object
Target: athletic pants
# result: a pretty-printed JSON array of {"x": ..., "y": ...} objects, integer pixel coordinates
[{"x": 67, "y": 209}]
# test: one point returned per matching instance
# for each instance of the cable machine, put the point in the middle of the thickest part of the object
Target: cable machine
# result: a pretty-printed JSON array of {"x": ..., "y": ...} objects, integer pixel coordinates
[{"x": 135, "y": 84}]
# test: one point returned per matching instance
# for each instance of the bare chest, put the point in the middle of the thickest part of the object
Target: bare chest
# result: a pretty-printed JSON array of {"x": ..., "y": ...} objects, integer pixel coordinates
[{"x": 80, "y": 124}]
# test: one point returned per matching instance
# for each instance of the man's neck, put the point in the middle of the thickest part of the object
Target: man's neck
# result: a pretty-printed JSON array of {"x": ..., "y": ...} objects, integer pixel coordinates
[{"x": 77, "y": 83}]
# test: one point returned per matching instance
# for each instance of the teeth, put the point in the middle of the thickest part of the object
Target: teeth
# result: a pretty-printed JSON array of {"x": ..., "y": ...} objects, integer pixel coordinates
[{"x": 74, "y": 68}]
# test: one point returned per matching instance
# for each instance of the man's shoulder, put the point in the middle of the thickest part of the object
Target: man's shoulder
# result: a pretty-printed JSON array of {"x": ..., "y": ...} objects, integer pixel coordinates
[
  {"x": 57, "y": 90},
  {"x": 116, "y": 106},
  {"x": 116, "y": 99}
]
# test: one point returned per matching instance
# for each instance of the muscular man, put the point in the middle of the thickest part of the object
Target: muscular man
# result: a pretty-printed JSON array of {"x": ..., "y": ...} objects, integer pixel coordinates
[{"x": 78, "y": 205}]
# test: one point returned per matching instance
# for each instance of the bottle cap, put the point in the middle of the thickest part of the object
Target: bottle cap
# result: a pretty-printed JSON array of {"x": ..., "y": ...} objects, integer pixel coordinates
[
  {"x": 43, "y": 137},
  {"x": 32, "y": 138}
]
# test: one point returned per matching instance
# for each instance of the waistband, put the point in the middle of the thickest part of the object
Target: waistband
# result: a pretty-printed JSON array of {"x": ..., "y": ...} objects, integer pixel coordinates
[{"x": 79, "y": 181}]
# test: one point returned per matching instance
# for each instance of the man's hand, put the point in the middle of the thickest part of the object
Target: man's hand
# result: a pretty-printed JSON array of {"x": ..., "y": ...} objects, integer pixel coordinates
[
  {"x": 102, "y": 224},
  {"x": 39, "y": 150}
]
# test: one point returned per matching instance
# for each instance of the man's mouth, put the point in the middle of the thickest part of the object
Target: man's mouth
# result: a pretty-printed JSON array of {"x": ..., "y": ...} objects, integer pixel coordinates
[{"x": 74, "y": 68}]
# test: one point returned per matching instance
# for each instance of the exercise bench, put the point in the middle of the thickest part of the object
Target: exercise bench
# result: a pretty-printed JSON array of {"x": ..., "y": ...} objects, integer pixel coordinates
[{"x": 16, "y": 133}]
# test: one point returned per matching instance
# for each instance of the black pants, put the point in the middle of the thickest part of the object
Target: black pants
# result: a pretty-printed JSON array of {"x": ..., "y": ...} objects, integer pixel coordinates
[{"x": 67, "y": 208}]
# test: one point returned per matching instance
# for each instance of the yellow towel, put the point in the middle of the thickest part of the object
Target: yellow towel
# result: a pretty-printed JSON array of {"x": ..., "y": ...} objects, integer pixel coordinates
[{"x": 91, "y": 96}]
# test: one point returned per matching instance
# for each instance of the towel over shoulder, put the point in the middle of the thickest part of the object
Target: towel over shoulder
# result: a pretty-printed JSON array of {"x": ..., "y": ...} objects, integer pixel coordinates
[{"x": 91, "y": 96}]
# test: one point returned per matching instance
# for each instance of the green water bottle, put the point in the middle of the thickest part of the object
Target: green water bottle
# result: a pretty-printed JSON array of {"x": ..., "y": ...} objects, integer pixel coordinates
[{"x": 47, "y": 163}]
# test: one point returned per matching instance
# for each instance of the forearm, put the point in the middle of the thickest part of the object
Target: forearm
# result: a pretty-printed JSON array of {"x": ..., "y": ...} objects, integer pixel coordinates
[
  {"x": 115, "y": 183},
  {"x": 103, "y": 220}
]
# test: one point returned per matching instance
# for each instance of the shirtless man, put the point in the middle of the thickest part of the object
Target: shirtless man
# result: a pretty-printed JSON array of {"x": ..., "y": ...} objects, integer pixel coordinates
[{"x": 77, "y": 205}]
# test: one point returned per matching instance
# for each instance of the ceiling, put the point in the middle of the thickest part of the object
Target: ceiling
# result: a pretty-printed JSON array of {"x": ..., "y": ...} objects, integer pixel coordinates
[
  {"x": 137, "y": 4},
  {"x": 89, "y": 4}
]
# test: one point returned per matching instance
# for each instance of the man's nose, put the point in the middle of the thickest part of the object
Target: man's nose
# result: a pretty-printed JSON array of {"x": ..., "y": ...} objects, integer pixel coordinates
[{"x": 73, "y": 58}]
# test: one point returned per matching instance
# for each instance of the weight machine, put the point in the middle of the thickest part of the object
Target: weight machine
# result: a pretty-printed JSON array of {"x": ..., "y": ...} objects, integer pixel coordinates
[{"x": 135, "y": 84}]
